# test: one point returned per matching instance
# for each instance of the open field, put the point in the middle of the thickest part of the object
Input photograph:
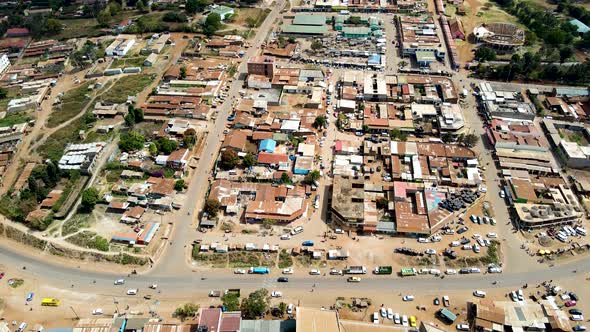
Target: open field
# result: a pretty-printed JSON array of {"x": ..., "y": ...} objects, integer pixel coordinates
[
  {"x": 135, "y": 61},
  {"x": 72, "y": 103},
  {"x": 54, "y": 145},
  {"x": 15, "y": 118},
  {"x": 76, "y": 28},
  {"x": 127, "y": 86}
]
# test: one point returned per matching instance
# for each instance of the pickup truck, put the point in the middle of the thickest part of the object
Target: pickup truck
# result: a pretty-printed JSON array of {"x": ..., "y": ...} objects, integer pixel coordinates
[
  {"x": 383, "y": 270},
  {"x": 214, "y": 293}
]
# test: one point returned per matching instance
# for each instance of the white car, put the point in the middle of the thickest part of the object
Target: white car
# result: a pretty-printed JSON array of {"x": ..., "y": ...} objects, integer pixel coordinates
[
  {"x": 494, "y": 269},
  {"x": 436, "y": 238},
  {"x": 492, "y": 235},
  {"x": 239, "y": 271},
  {"x": 119, "y": 282},
  {"x": 383, "y": 312},
  {"x": 479, "y": 293},
  {"x": 435, "y": 272},
  {"x": 389, "y": 314},
  {"x": 502, "y": 194},
  {"x": 97, "y": 311},
  {"x": 423, "y": 271},
  {"x": 476, "y": 236},
  {"x": 513, "y": 296},
  {"x": 423, "y": 240},
  {"x": 430, "y": 252},
  {"x": 405, "y": 320},
  {"x": 396, "y": 318},
  {"x": 375, "y": 318},
  {"x": 408, "y": 298},
  {"x": 132, "y": 292},
  {"x": 276, "y": 294},
  {"x": 454, "y": 244},
  {"x": 463, "y": 327},
  {"x": 338, "y": 231},
  {"x": 577, "y": 318},
  {"x": 451, "y": 271},
  {"x": 288, "y": 270},
  {"x": 336, "y": 272},
  {"x": 290, "y": 309},
  {"x": 315, "y": 272},
  {"x": 285, "y": 237}
]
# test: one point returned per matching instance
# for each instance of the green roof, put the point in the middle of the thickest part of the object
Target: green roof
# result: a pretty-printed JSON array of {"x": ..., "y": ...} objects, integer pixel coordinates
[
  {"x": 305, "y": 29},
  {"x": 356, "y": 30},
  {"x": 306, "y": 19},
  {"x": 422, "y": 56}
]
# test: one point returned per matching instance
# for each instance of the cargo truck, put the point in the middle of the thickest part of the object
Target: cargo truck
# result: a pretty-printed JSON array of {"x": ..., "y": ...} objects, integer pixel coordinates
[
  {"x": 383, "y": 270},
  {"x": 356, "y": 270},
  {"x": 50, "y": 302},
  {"x": 408, "y": 272},
  {"x": 258, "y": 270}
]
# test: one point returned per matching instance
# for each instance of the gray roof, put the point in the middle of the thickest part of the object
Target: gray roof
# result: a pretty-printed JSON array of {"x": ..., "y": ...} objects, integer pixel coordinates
[
  {"x": 306, "y": 29},
  {"x": 268, "y": 325},
  {"x": 307, "y": 19}
]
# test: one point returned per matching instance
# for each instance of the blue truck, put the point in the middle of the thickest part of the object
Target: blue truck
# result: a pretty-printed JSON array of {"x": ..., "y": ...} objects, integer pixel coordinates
[
  {"x": 307, "y": 243},
  {"x": 259, "y": 270}
]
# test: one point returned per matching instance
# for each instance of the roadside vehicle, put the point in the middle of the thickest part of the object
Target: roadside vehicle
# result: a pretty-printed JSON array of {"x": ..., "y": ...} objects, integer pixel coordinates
[
  {"x": 119, "y": 282},
  {"x": 476, "y": 249},
  {"x": 375, "y": 318},
  {"x": 338, "y": 231},
  {"x": 408, "y": 298},
  {"x": 285, "y": 237},
  {"x": 412, "y": 321},
  {"x": 436, "y": 301},
  {"x": 446, "y": 316},
  {"x": 307, "y": 243},
  {"x": 462, "y": 230},
  {"x": 573, "y": 296},
  {"x": 451, "y": 271},
  {"x": 22, "y": 327},
  {"x": 283, "y": 279},
  {"x": 570, "y": 303},
  {"x": 575, "y": 311},
  {"x": 396, "y": 318},
  {"x": 389, "y": 314},
  {"x": 446, "y": 300},
  {"x": 579, "y": 328},
  {"x": 336, "y": 272},
  {"x": 577, "y": 318},
  {"x": 97, "y": 311},
  {"x": 430, "y": 252},
  {"x": 383, "y": 270},
  {"x": 358, "y": 269},
  {"x": 315, "y": 272},
  {"x": 2, "y": 275},
  {"x": 290, "y": 309},
  {"x": 455, "y": 244},
  {"x": 513, "y": 296},
  {"x": 132, "y": 291},
  {"x": 276, "y": 294},
  {"x": 353, "y": 279},
  {"x": 423, "y": 240},
  {"x": 259, "y": 270},
  {"x": 30, "y": 296},
  {"x": 296, "y": 230},
  {"x": 463, "y": 327},
  {"x": 288, "y": 270},
  {"x": 405, "y": 320},
  {"x": 49, "y": 302},
  {"x": 479, "y": 293},
  {"x": 239, "y": 271},
  {"x": 154, "y": 286},
  {"x": 383, "y": 312},
  {"x": 492, "y": 235},
  {"x": 520, "y": 295}
]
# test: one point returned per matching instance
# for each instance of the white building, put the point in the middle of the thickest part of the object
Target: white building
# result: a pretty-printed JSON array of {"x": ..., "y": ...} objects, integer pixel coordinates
[
  {"x": 120, "y": 46},
  {"x": 4, "y": 63},
  {"x": 81, "y": 157}
]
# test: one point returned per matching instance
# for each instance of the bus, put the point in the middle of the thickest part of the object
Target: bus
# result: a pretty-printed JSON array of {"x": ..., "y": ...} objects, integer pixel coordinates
[
  {"x": 50, "y": 302},
  {"x": 408, "y": 272},
  {"x": 447, "y": 316}
]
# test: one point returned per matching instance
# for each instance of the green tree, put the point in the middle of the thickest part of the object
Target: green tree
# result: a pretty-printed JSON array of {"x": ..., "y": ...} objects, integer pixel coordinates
[
  {"x": 268, "y": 223},
  {"x": 565, "y": 53},
  {"x": 89, "y": 199},
  {"x": 484, "y": 54},
  {"x": 179, "y": 185},
  {"x": 212, "y": 24},
  {"x": 53, "y": 26},
  {"x": 470, "y": 140},
  {"x": 229, "y": 159},
  {"x": 249, "y": 160},
  {"x": 166, "y": 146},
  {"x": 193, "y": 6},
  {"x": 153, "y": 148},
  {"x": 447, "y": 137},
  {"x": 313, "y": 176},
  {"x": 189, "y": 138},
  {"x": 382, "y": 202},
  {"x": 231, "y": 302},
  {"x": 212, "y": 207},
  {"x": 130, "y": 118},
  {"x": 316, "y": 45},
  {"x": 103, "y": 18},
  {"x": 320, "y": 122},
  {"x": 285, "y": 178},
  {"x": 251, "y": 22},
  {"x": 182, "y": 72},
  {"x": 187, "y": 310},
  {"x": 3, "y": 93},
  {"x": 282, "y": 308},
  {"x": 131, "y": 141},
  {"x": 255, "y": 305}
]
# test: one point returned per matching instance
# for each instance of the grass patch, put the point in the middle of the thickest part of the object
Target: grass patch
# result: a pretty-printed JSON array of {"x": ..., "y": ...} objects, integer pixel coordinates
[
  {"x": 16, "y": 282},
  {"x": 124, "y": 62},
  {"x": 75, "y": 223},
  {"x": 89, "y": 240},
  {"x": 244, "y": 259},
  {"x": 268, "y": 259},
  {"x": 11, "y": 93},
  {"x": 213, "y": 259},
  {"x": 71, "y": 105},
  {"x": 492, "y": 257},
  {"x": 285, "y": 259},
  {"x": 75, "y": 28},
  {"x": 127, "y": 86},
  {"x": 53, "y": 147},
  {"x": 15, "y": 118}
]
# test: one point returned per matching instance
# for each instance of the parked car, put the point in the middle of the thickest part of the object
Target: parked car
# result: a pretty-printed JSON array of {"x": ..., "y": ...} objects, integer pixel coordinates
[
  {"x": 239, "y": 271},
  {"x": 389, "y": 314},
  {"x": 575, "y": 311},
  {"x": 579, "y": 328},
  {"x": 397, "y": 319},
  {"x": 577, "y": 318},
  {"x": 570, "y": 303},
  {"x": 97, "y": 311},
  {"x": 132, "y": 292},
  {"x": 315, "y": 272},
  {"x": 451, "y": 271},
  {"x": 336, "y": 272},
  {"x": 283, "y": 279},
  {"x": 383, "y": 312},
  {"x": 430, "y": 252},
  {"x": 436, "y": 301},
  {"x": 375, "y": 315},
  {"x": 463, "y": 327},
  {"x": 408, "y": 298},
  {"x": 276, "y": 294},
  {"x": 479, "y": 293}
]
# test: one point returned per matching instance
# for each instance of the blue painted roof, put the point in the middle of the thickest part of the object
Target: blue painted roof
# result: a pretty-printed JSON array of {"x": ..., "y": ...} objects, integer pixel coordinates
[
  {"x": 374, "y": 59},
  {"x": 267, "y": 145}
]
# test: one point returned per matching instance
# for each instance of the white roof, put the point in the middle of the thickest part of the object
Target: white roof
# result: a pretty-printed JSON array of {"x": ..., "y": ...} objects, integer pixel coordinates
[
  {"x": 306, "y": 149},
  {"x": 291, "y": 124}
]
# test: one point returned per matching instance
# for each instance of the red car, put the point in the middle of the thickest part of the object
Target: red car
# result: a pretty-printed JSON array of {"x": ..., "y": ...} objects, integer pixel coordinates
[
  {"x": 1, "y": 275},
  {"x": 570, "y": 303}
]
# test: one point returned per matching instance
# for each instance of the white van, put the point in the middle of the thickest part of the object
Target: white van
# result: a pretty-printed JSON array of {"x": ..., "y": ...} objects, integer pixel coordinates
[
  {"x": 297, "y": 230},
  {"x": 22, "y": 327}
]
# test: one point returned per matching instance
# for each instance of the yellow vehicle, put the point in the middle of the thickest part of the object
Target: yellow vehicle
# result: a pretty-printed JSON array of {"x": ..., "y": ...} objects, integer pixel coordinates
[
  {"x": 354, "y": 279},
  {"x": 50, "y": 302},
  {"x": 412, "y": 321}
]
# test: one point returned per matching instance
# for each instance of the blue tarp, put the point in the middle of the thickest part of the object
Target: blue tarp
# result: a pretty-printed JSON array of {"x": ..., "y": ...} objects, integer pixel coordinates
[
  {"x": 374, "y": 59},
  {"x": 267, "y": 145}
]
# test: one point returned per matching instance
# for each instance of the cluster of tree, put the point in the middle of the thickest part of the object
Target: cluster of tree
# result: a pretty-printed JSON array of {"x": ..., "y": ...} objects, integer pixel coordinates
[
  {"x": 179, "y": 185},
  {"x": 166, "y": 146},
  {"x": 528, "y": 67},
  {"x": 134, "y": 115},
  {"x": 212, "y": 24},
  {"x": 312, "y": 176},
  {"x": 187, "y": 310},
  {"x": 484, "y": 54},
  {"x": 87, "y": 54},
  {"x": 131, "y": 141},
  {"x": 320, "y": 122},
  {"x": 554, "y": 30},
  {"x": 397, "y": 135},
  {"x": 229, "y": 159},
  {"x": 189, "y": 139},
  {"x": 174, "y": 17},
  {"x": 43, "y": 179},
  {"x": 142, "y": 6},
  {"x": 255, "y": 305},
  {"x": 89, "y": 199},
  {"x": 212, "y": 207},
  {"x": 194, "y": 6},
  {"x": 104, "y": 16}
]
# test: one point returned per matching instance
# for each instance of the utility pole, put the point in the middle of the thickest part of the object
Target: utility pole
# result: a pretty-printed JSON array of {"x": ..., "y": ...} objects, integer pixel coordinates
[{"x": 74, "y": 311}]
